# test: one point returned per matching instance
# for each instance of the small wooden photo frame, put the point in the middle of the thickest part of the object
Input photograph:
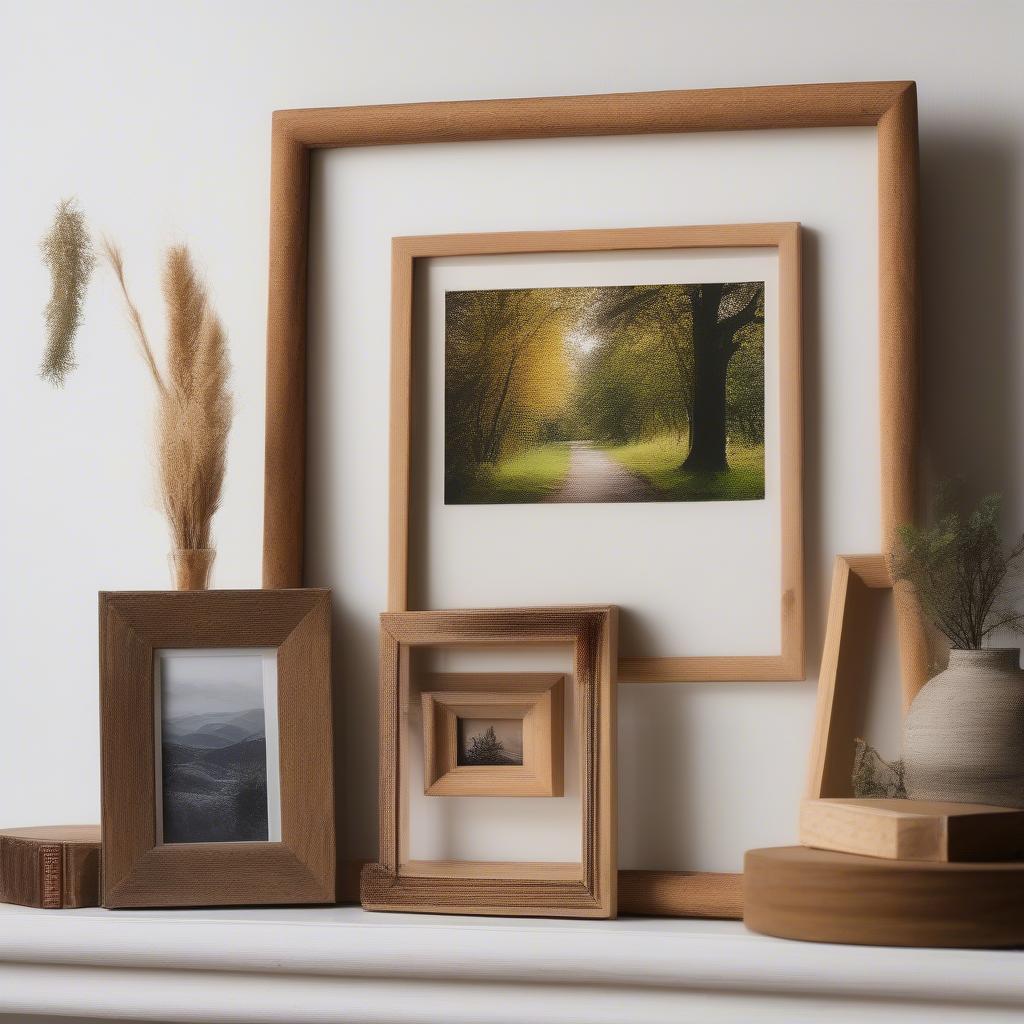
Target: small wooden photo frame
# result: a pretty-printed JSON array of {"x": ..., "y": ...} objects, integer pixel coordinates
[
  {"x": 216, "y": 748},
  {"x": 531, "y": 704},
  {"x": 585, "y": 888}
]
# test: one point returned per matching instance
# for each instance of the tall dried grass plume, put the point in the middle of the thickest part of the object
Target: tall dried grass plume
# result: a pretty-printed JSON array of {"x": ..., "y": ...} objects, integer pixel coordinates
[
  {"x": 68, "y": 254},
  {"x": 194, "y": 404}
]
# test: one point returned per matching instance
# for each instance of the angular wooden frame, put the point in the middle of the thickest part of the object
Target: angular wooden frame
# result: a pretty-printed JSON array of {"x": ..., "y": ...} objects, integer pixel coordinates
[
  {"x": 788, "y": 664},
  {"x": 889, "y": 107},
  {"x": 136, "y": 872},
  {"x": 536, "y": 698},
  {"x": 841, "y": 679},
  {"x": 587, "y": 889}
]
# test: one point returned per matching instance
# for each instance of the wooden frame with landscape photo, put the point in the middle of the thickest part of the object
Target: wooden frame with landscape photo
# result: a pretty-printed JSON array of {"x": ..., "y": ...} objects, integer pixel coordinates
[
  {"x": 889, "y": 108},
  {"x": 784, "y": 239},
  {"x": 583, "y": 889},
  {"x": 289, "y": 860}
]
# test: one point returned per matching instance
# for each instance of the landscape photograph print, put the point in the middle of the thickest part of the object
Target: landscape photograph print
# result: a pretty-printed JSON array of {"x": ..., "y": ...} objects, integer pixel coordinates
[
  {"x": 629, "y": 393},
  {"x": 214, "y": 756},
  {"x": 495, "y": 742}
]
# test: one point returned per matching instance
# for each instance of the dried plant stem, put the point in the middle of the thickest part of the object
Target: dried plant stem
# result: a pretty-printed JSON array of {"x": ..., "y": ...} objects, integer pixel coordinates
[
  {"x": 68, "y": 253},
  {"x": 114, "y": 258},
  {"x": 194, "y": 409}
]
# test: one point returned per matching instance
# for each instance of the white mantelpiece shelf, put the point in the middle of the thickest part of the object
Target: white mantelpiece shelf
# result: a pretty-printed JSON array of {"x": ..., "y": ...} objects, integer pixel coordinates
[{"x": 343, "y": 964}]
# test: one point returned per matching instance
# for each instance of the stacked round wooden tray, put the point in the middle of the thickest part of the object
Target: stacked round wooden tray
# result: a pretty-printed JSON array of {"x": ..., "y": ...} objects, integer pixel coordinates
[{"x": 938, "y": 893}]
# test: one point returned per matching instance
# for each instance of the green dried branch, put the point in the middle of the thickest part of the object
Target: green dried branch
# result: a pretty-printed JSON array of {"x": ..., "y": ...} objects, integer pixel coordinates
[
  {"x": 68, "y": 253},
  {"x": 194, "y": 410},
  {"x": 960, "y": 570}
]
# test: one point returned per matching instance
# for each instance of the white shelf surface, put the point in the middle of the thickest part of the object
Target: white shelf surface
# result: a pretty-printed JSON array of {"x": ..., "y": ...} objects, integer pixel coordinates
[{"x": 300, "y": 965}]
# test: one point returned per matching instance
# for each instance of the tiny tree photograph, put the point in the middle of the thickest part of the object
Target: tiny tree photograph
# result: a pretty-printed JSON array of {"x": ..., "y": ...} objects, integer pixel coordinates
[
  {"x": 493, "y": 743},
  {"x": 630, "y": 393}
]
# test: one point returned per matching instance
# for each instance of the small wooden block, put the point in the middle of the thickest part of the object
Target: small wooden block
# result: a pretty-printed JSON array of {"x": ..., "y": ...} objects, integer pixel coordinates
[
  {"x": 819, "y": 896},
  {"x": 913, "y": 829},
  {"x": 52, "y": 866}
]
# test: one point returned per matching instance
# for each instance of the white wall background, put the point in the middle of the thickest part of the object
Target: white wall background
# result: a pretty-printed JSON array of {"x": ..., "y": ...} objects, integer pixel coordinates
[{"x": 157, "y": 117}]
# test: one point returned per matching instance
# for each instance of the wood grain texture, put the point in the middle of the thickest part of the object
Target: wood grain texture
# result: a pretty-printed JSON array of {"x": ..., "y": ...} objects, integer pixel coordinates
[
  {"x": 842, "y": 678},
  {"x": 785, "y": 239},
  {"x": 913, "y": 829},
  {"x": 798, "y": 893},
  {"x": 899, "y": 385},
  {"x": 136, "y": 870},
  {"x": 51, "y": 867},
  {"x": 681, "y": 894},
  {"x": 490, "y": 888}
]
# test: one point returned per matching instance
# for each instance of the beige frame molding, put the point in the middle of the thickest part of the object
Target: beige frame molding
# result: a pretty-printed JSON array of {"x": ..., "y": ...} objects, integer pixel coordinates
[
  {"x": 535, "y": 698},
  {"x": 584, "y": 889},
  {"x": 788, "y": 664}
]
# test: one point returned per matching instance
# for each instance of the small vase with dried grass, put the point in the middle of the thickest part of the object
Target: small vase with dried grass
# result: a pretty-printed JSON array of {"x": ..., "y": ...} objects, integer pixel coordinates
[{"x": 194, "y": 410}]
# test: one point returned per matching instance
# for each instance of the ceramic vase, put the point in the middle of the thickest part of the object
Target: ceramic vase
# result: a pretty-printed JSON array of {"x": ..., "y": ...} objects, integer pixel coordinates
[{"x": 963, "y": 738}]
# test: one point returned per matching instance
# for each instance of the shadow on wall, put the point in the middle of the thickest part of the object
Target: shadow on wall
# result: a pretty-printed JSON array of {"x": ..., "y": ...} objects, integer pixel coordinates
[{"x": 972, "y": 321}]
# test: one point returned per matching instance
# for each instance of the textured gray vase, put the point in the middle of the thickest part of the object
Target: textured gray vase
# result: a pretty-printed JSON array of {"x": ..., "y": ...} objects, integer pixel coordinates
[{"x": 963, "y": 738}]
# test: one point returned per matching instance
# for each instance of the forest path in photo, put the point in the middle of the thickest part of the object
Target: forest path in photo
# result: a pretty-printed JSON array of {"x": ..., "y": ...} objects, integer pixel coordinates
[{"x": 594, "y": 476}]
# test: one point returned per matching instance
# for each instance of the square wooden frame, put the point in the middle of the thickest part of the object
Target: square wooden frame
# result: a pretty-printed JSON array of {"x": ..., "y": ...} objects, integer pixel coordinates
[
  {"x": 785, "y": 239},
  {"x": 889, "y": 107},
  {"x": 536, "y": 698},
  {"x": 136, "y": 872},
  {"x": 527, "y": 889}
]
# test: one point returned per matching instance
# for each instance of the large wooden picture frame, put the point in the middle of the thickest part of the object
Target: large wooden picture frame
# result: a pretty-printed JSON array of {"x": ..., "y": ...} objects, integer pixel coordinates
[
  {"x": 138, "y": 870},
  {"x": 584, "y": 889},
  {"x": 788, "y": 664},
  {"x": 888, "y": 107}
]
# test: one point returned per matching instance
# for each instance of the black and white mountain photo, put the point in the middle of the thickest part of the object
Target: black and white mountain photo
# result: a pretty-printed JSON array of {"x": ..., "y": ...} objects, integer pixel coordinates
[{"x": 214, "y": 750}]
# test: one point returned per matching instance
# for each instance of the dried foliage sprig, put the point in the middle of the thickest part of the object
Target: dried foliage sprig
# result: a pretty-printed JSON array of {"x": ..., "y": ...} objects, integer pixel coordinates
[
  {"x": 68, "y": 254},
  {"x": 960, "y": 569},
  {"x": 874, "y": 777},
  {"x": 194, "y": 409}
]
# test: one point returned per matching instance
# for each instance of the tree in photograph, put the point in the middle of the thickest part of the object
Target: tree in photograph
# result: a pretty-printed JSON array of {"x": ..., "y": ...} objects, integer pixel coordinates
[
  {"x": 486, "y": 748},
  {"x": 721, "y": 312},
  {"x": 636, "y": 380},
  {"x": 699, "y": 329},
  {"x": 506, "y": 371}
]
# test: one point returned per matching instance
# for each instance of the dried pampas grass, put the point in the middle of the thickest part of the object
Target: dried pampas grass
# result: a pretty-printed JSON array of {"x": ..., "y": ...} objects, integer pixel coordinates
[
  {"x": 194, "y": 402},
  {"x": 68, "y": 254}
]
